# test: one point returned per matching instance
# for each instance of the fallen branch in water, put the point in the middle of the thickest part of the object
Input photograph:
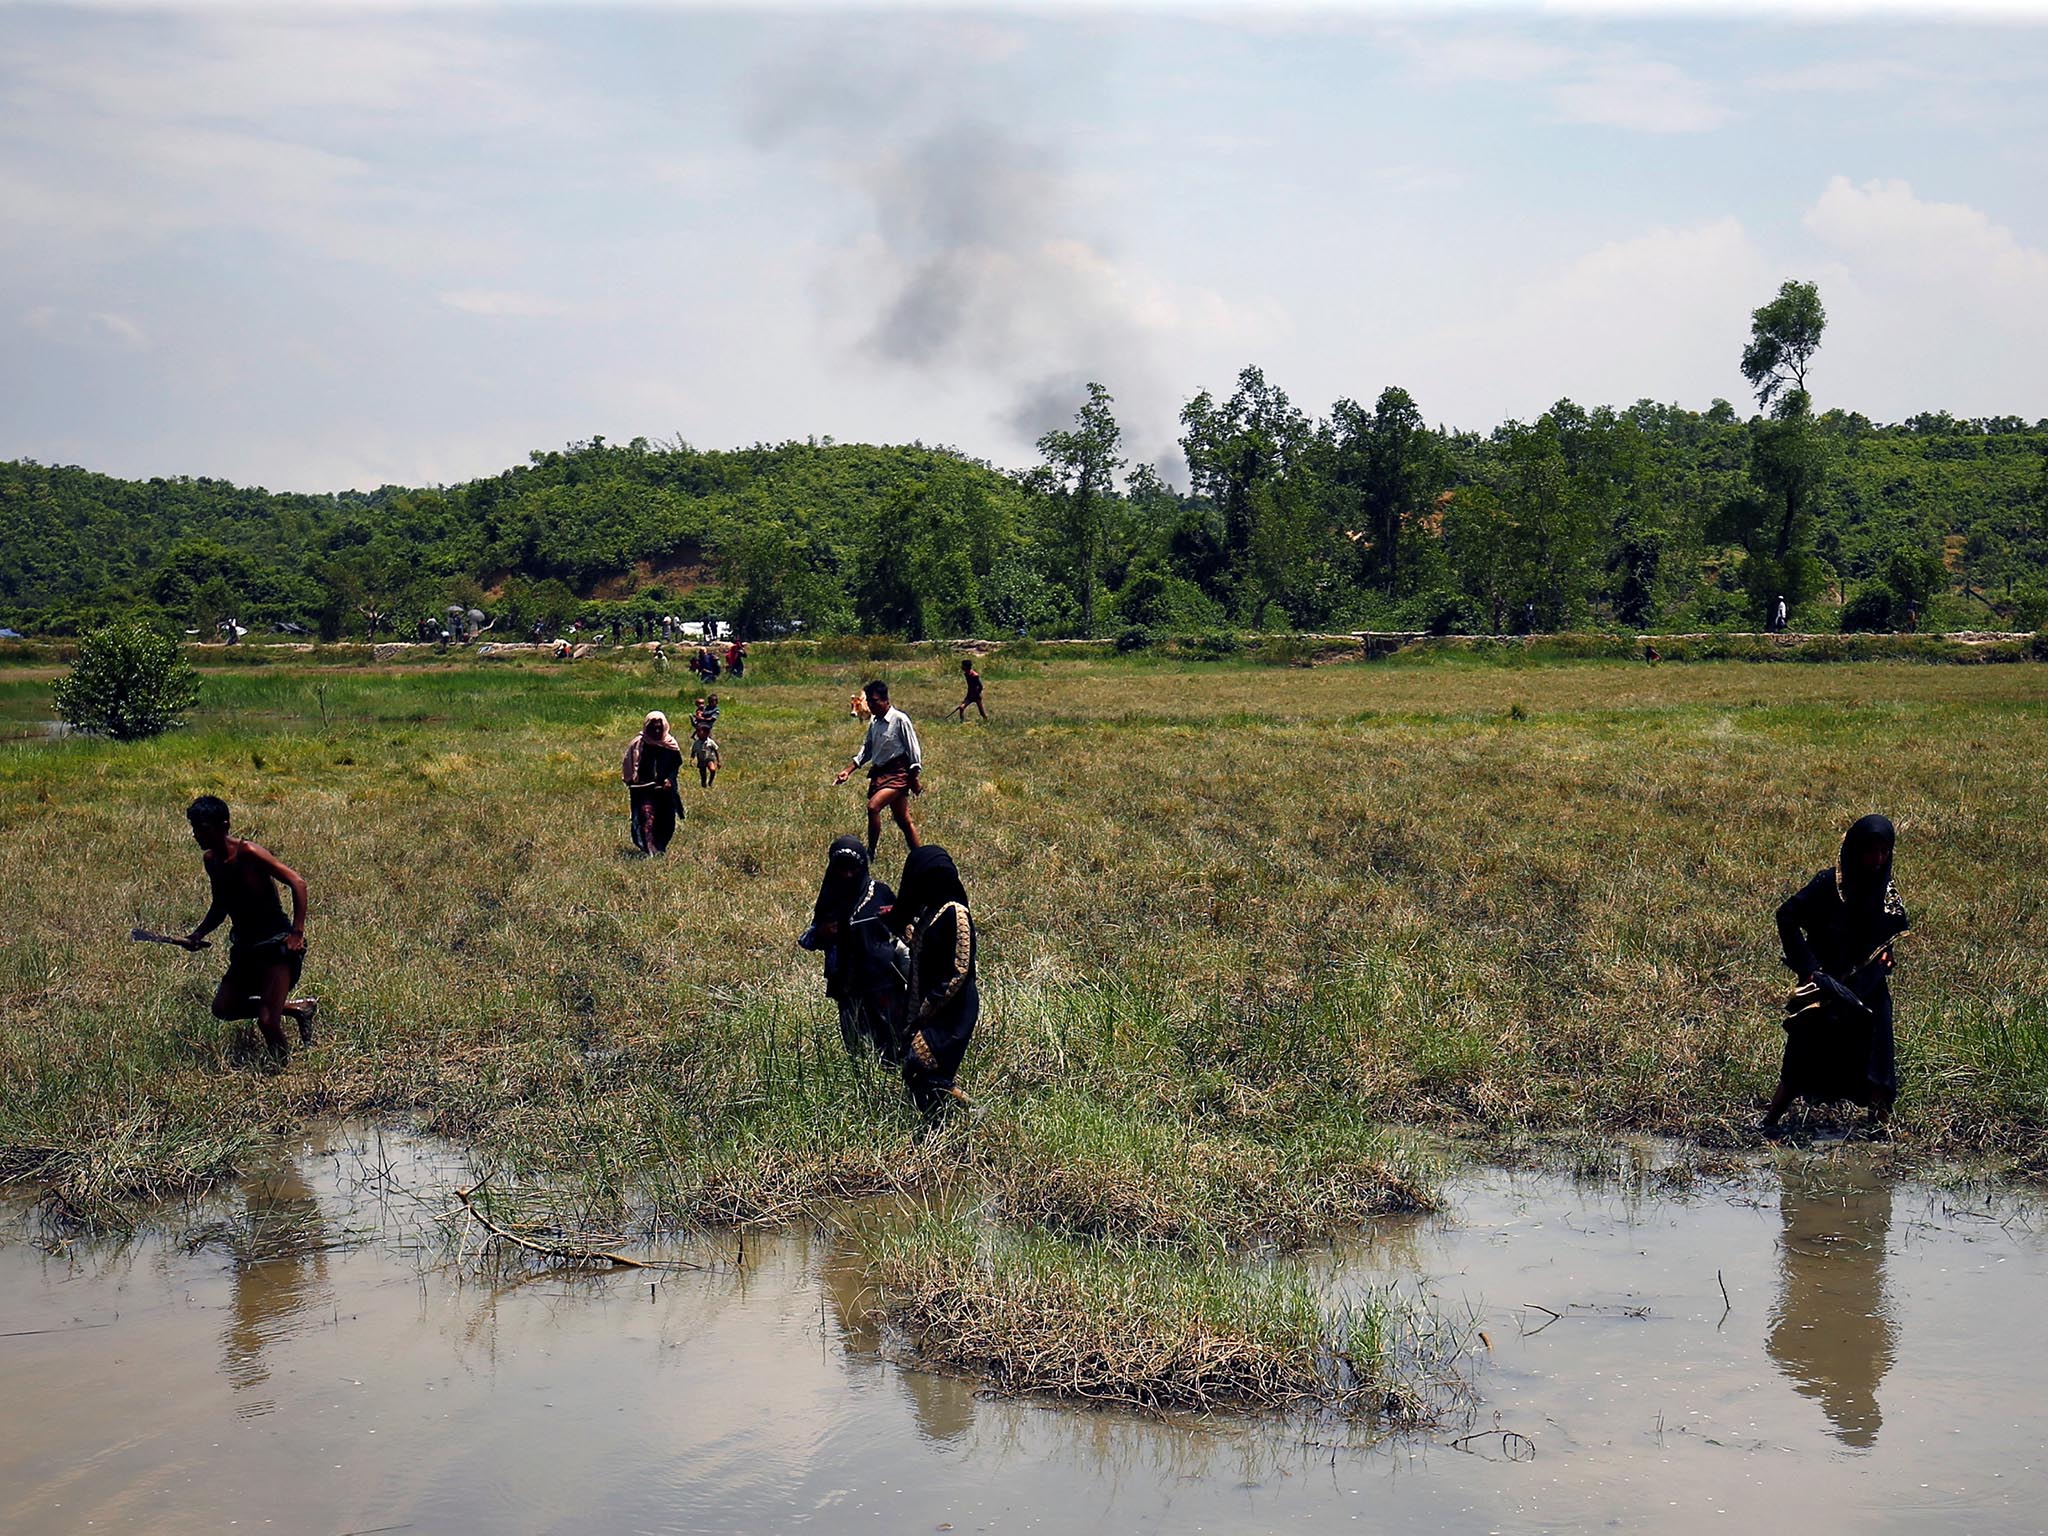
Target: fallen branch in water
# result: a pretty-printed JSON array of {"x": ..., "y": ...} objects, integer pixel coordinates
[
  {"x": 1515, "y": 1445},
  {"x": 562, "y": 1251}
]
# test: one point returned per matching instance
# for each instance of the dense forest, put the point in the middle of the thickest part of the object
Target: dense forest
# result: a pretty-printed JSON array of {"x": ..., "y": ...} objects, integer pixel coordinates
[{"x": 1651, "y": 517}]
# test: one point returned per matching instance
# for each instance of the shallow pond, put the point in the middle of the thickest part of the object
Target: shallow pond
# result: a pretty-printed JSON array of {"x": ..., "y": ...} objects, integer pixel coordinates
[{"x": 314, "y": 1364}]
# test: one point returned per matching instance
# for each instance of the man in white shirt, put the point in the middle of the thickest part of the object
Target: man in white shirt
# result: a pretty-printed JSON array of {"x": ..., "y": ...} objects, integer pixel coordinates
[{"x": 891, "y": 755}]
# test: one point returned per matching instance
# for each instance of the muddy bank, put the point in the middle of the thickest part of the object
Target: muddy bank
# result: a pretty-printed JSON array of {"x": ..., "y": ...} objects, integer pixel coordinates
[{"x": 306, "y": 1358}]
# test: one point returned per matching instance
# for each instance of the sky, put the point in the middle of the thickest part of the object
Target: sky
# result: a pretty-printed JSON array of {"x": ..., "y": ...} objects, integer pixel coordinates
[{"x": 321, "y": 248}]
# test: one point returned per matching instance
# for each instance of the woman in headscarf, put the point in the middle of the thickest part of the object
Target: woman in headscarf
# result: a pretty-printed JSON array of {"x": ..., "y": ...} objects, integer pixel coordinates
[
  {"x": 944, "y": 1001},
  {"x": 653, "y": 762},
  {"x": 864, "y": 963},
  {"x": 1838, "y": 932}
]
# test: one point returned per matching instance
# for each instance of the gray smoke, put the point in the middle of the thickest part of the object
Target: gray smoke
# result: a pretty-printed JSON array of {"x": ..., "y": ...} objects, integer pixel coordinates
[
  {"x": 984, "y": 262},
  {"x": 1051, "y": 403}
]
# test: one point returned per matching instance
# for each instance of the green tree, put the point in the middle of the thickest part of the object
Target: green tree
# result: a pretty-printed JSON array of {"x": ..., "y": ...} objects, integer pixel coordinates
[
  {"x": 1783, "y": 336},
  {"x": 1788, "y": 461},
  {"x": 130, "y": 682},
  {"x": 1480, "y": 538},
  {"x": 1556, "y": 525},
  {"x": 884, "y": 601},
  {"x": 1384, "y": 468},
  {"x": 1080, "y": 465},
  {"x": 1240, "y": 456},
  {"x": 1916, "y": 573},
  {"x": 1017, "y": 598}
]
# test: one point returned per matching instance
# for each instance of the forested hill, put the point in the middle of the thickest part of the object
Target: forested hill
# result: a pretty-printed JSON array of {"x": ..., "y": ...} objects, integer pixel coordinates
[{"x": 1649, "y": 517}]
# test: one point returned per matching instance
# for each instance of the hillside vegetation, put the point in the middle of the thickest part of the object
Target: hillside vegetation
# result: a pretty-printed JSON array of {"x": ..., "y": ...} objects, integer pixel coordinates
[{"x": 1649, "y": 518}]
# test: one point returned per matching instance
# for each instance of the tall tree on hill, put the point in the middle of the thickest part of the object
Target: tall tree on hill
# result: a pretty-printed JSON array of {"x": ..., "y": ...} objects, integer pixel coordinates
[
  {"x": 1783, "y": 336},
  {"x": 1788, "y": 462},
  {"x": 1079, "y": 474}
]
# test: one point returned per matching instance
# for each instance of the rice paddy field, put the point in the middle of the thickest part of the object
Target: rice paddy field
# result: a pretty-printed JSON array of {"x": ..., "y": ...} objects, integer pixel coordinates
[{"x": 1263, "y": 948}]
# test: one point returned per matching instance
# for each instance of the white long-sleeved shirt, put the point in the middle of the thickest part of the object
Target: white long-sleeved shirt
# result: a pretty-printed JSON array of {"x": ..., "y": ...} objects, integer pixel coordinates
[{"x": 890, "y": 736}]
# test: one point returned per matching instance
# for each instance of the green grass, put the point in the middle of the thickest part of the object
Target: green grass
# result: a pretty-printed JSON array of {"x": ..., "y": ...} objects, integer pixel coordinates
[{"x": 1237, "y": 921}]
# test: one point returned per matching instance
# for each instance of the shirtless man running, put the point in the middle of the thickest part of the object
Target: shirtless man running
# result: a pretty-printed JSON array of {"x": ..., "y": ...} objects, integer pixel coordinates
[{"x": 265, "y": 952}]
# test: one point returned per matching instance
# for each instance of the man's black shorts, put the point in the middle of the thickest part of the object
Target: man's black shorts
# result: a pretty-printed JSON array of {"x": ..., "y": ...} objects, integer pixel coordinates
[{"x": 249, "y": 964}]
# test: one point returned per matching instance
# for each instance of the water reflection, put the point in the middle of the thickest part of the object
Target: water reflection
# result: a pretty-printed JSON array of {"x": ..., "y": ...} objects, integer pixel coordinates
[
  {"x": 1833, "y": 1335},
  {"x": 279, "y": 1249},
  {"x": 943, "y": 1405}
]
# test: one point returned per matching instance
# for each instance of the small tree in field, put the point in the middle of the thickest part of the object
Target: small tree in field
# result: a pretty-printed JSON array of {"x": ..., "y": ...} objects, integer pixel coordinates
[{"x": 129, "y": 682}]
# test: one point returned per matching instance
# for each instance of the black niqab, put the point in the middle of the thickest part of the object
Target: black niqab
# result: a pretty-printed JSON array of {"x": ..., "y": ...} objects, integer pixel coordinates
[
  {"x": 929, "y": 880},
  {"x": 1861, "y": 887},
  {"x": 846, "y": 882}
]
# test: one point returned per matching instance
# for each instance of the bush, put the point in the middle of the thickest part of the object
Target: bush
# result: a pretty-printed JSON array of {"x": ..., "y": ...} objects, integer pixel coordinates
[
  {"x": 1134, "y": 637},
  {"x": 1446, "y": 611},
  {"x": 1210, "y": 645},
  {"x": 1870, "y": 608},
  {"x": 2030, "y": 606},
  {"x": 129, "y": 682}
]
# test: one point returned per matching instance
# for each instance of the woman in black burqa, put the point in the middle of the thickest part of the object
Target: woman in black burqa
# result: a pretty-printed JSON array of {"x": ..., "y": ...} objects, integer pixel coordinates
[
  {"x": 944, "y": 1001},
  {"x": 653, "y": 763},
  {"x": 1838, "y": 931},
  {"x": 864, "y": 962}
]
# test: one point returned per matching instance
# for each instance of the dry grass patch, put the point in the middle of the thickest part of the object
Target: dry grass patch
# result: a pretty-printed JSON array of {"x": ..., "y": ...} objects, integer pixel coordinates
[{"x": 1149, "y": 1328}]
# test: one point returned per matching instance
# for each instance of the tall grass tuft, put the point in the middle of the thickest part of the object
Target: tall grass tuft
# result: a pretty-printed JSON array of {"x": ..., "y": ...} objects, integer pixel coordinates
[{"x": 1138, "y": 1326}]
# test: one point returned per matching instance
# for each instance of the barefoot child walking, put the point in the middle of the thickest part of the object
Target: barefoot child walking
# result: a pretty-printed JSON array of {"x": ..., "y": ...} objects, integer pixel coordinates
[
  {"x": 973, "y": 699},
  {"x": 704, "y": 753}
]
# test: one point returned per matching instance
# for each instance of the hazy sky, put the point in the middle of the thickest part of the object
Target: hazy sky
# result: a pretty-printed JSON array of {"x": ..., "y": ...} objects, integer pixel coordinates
[{"x": 322, "y": 248}]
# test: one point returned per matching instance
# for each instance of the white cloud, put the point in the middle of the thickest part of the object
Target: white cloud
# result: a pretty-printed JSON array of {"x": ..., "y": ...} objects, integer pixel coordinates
[
  {"x": 96, "y": 328},
  {"x": 1844, "y": 76},
  {"x": 1657, "y": 315},
  {"x": 1608, "y": 88},
  {"x": 245, "y": 65},
  {"x": 122, "y": 128},
  {"x": 1648, "y": 95},
  {"x": 1931, "y": 305},
  {"x": 508, "y": 303},
  {"x": 1499, "y": 58}
]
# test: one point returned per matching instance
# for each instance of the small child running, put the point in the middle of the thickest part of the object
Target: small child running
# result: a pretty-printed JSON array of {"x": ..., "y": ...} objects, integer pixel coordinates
[
  {"x": 704, "y": 752},
  {"x": 973, "y": 699}
]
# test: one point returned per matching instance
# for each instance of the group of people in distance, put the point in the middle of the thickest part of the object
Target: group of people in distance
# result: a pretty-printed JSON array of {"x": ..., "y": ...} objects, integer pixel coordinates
[{"x": 901, "y": 965}]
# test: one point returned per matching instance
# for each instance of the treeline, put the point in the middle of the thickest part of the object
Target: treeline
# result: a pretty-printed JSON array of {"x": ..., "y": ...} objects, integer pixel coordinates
[{"x": 1648, "y": 517}]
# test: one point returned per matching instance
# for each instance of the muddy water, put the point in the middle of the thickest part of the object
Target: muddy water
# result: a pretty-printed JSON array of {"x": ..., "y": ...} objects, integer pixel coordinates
[{"x": 312, "y": 1366}]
